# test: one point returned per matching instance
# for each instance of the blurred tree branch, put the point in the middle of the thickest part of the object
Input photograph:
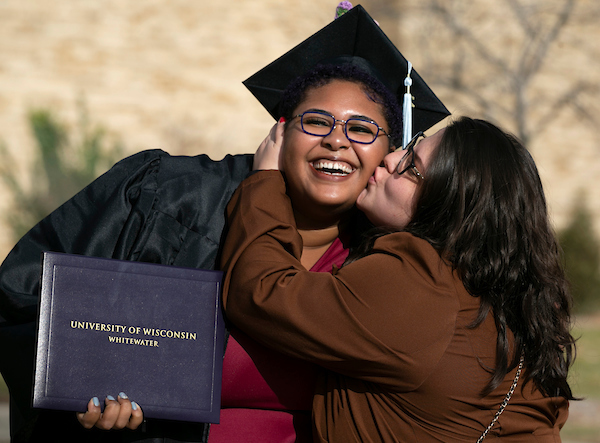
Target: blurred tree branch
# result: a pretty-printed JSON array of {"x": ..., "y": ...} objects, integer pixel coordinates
[{"x": 492, "y": 57}]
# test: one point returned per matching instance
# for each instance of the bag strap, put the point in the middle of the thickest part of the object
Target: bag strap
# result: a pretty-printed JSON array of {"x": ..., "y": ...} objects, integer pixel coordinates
[{"x": 505, "y": 402}]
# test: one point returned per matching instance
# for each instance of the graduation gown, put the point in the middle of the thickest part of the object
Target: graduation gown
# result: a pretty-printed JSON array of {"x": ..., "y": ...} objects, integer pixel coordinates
[{"x": 149, "y": 207}]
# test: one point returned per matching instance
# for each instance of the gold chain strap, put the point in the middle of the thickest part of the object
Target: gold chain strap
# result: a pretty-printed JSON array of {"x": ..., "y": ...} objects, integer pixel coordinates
[{"x": 505, "y": 402}]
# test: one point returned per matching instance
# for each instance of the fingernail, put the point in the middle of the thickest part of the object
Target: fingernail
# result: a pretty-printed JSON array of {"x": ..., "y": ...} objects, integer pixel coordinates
[
  {"x": 122, "y": 395},
  {"x": 282, "y": 120},
  {"x": 110, "y": 397},
  {"x": 96, "y": 401},
  {"x": 134, "y": 406}
]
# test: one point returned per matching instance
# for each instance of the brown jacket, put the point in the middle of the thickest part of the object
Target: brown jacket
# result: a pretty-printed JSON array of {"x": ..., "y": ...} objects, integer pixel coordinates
[{"x": 390, "y": 331}]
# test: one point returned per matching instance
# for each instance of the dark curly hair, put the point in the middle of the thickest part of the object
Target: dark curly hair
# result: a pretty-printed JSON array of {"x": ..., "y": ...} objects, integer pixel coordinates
[
  {"x": 323, "y": 74},
  {"x": 483, "y": 207}
]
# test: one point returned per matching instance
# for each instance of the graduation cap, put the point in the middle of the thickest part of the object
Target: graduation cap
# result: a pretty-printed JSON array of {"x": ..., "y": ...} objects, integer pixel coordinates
[{"x": 355, "y": 38}]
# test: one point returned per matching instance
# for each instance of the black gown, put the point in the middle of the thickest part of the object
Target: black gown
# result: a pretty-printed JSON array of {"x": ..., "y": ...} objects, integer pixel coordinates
[{"x": 149, "y": 207}]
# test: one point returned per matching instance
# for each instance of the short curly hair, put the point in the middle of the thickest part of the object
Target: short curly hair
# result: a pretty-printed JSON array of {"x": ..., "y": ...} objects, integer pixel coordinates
[{"x": 323, "y": 74}]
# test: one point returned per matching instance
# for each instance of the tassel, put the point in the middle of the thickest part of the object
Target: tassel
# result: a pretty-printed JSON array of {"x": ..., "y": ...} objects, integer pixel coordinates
[
  {"x": 342, "y": 8},
  {"x": 407, "y": 110}
]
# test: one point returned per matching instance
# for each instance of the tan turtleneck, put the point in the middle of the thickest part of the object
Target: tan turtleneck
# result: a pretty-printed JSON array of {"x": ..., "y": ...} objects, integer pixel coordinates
[{"x": 315, "y": 242}]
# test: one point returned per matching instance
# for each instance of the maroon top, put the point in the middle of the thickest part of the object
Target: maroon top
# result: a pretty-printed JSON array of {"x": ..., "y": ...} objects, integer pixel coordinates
[{"x": 266, "y": 396}]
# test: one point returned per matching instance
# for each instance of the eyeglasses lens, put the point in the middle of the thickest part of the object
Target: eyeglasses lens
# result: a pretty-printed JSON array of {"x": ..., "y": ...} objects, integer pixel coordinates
[
  {"x": 406, "y": 162},
  {"x": 408, "y": 159},
  {"x": 356, "y": 130}
]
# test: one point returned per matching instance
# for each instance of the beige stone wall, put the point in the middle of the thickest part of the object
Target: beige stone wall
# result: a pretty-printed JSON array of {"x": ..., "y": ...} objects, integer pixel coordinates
[
  {"x": 167, "y": 74},
  {"x": 154, "y": 73},
  {"x": 565, "y": 141}
]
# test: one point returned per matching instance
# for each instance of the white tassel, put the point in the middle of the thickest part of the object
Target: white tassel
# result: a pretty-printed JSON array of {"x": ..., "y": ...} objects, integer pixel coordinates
[{"x": 407, "y": 109}]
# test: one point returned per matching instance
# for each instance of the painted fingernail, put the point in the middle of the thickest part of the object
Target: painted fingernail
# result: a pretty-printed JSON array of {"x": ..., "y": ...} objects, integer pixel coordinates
[
  {"x": 134, "y": 406},
  {"x": 281, "y": 119},
  {"x": 122, "y": 395},
  {"x": 96, "y": 401},
  {"x": 110, "y": 397}
]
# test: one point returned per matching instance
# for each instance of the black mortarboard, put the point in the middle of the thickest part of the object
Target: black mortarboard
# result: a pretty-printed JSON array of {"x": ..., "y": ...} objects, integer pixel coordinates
[{"x": 354, "y": 34}]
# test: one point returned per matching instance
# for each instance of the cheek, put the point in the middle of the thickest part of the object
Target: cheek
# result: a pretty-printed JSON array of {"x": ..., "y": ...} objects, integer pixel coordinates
[
  {"x": 371, "y": 156},
  {"x": 290, "y": 153},
  {"x": 402, "y": 195}
]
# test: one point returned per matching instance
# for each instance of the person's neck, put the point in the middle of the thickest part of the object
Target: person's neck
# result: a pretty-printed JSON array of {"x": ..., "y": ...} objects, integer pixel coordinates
[{"x": 315, "y": 242}]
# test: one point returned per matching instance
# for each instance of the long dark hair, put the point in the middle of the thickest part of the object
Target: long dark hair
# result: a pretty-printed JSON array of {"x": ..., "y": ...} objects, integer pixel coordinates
[{"x": 483, "y": 208}]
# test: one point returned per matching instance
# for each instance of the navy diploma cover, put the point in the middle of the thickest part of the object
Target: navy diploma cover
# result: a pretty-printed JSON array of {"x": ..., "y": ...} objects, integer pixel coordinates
[{"x": 155, "y": 332}]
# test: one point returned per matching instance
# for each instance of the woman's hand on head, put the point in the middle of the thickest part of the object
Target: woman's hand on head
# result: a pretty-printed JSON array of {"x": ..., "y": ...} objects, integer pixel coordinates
[
  {"x": 267, "y": 155},
  {"x": 118, "y": 414}
]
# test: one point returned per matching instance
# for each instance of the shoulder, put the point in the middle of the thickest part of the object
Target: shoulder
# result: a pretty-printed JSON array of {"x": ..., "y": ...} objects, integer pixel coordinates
[
  {"x": 401, "y": 257},
  {"x": 206, "y": 183},
  {"x": 406, "y": 246},
  {"x": 235, "y": 166},
  {"x": 139, "y": 159},
  {"x": 157, "y": 169},
  {"x": 417, "y": 257}
]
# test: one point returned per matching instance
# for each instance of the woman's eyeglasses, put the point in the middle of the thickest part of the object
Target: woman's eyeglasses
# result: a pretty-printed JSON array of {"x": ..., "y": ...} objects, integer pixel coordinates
[
  {"x": 356, "y": 129},
  {"x": 408, "y": 160}
]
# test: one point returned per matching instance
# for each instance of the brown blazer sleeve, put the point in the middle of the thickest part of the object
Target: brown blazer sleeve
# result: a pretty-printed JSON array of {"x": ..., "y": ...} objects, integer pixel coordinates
[{"x": 386, "y": 318}]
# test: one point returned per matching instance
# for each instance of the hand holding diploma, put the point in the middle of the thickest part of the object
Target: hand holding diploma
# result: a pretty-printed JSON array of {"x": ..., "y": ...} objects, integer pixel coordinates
[{"x": 118, "y": 414}]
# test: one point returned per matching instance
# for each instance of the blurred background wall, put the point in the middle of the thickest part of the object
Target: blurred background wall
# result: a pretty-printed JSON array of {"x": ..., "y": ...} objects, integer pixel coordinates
[{"x": 168, "y": 74}]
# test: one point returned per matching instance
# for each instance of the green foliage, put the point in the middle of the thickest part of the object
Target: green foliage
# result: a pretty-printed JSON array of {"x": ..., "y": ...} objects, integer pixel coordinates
[
  {"x": 62, "y": 166},
  {"x": 582, "y": 258},
  {"x": 3, "y": 390},
  {"x": 584, "y": 378}
]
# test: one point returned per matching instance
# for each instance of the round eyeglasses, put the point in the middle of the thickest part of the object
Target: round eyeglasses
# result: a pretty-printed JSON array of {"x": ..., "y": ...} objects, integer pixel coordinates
[
  {"x": 357, "y": 130},
  {"x": 407, "y": 163}
]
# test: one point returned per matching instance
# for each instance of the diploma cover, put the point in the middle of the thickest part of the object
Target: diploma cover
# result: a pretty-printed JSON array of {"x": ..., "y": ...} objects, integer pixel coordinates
[{"x": 106, "y": 326}]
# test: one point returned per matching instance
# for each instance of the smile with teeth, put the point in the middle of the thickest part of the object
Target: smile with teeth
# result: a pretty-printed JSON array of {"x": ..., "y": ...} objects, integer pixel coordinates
[{"x": 333, "y": 167}]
